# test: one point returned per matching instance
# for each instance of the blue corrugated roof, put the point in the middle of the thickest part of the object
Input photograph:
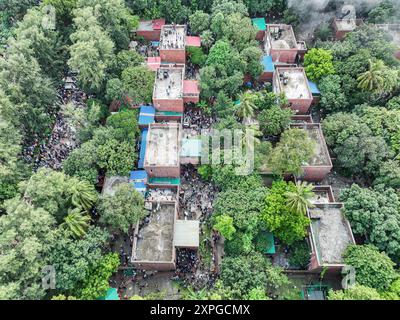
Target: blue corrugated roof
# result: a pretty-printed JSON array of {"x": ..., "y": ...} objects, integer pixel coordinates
[
  {"x": 140, "y": 187},
  {"x": 147, "y": 110},
  {"x": 145, "y": 120},
  {"x": 268, "y": 64},
  {"x": 146, "y": 115},
  {"x": 138, "y": 175},
  {"x": 155, "y": 43},
  {"x": 313, "y": 87},
  {"x": 143, "y": 146}
]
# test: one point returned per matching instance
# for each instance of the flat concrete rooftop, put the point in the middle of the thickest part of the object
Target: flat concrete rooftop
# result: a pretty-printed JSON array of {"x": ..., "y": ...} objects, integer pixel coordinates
[
  {"x": 155, "y": 238},
  {"x": 173, "y": 37},
  {"x": 345, "y": 24},
  {"x": 169, "y": 83},
  {"x": 163, "y": 143},
  {"x": 331, "y": 232},
  {"x": 293, "y": 82},
  {"x": 320, "y": 196},
  {"x": 280, "y": 37},
  {"x": 321, "y": 156}
]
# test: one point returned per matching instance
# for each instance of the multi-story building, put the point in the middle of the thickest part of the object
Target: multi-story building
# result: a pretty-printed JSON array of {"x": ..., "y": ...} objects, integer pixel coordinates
[
  {"x": 320, "y": 164},
  {"x": 294, "y": 84},
  {"x": 150, "y": 29},
  {"x": 280, "y": 43}
]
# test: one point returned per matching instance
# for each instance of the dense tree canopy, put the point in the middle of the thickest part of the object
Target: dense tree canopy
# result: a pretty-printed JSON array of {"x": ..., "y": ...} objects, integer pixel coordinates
[
  {"x": 123, "y": 209},
  {"x": 26, "y": 235},
  {"x": 373, "y": 268},
  {"x": 374, "y": 214},
  {"x": 286, "y": 223}
]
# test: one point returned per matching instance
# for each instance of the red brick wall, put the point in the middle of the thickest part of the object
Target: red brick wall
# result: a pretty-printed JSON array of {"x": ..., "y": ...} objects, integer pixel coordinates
[
  {"x": 178, "y": 56},
  {"x": 150, "y": 35},
  {"x": 159, "y": 266},
  {"x": 302, "y": 106},
  {"x": 260, "y": 35},
  {"x": 168, "y": 105},
  {"x": 160, "y": 118},
  {"x": 286, "y": 56},
  {"x": 266, "y": 76},
  {"x": 160, "y": 172},
  {"x": 191, "y": 99},
  {"x": 339, "y": 35},
  {"x": 315, "y": 174},
  {"x": 313, "y": 262}
]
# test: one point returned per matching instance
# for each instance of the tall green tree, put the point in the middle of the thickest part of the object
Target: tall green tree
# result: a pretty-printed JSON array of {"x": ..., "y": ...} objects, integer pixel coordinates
[
  {"x": 299, "y": 199},
  {"x": 74, "y": 259},
  {"x": 318, "y": 63},
  {"x": 293, "y": 150},
  {"x": 224, "y": 225},
  {"x": 373, "y": 268},
  {"x": 247, "y": 105},
  {"x": 138, "y": 84},
  {"x": 26, "y": 236},
  {"x": 123, "y": 209},
  {"x": 96, "y": 284},
  {"x": 275, "y": 120},
  {"x": 83, "y": 194},
  {"x": 358, "y": 292},
  {"x": 287, "y": 224},
  {"x": 92, "y": 49},
  {"x": 374, "y": 214},
  {"x": 76, "y": 223},
  {"x": 114, "y": 17}
]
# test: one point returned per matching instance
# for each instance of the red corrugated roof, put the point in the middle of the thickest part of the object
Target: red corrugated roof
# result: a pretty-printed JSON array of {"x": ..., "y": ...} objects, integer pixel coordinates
[
  {"x": 158, "y": 23},
  {"x": 191, "y": 86},
  {"x": 193, "y": 41}
]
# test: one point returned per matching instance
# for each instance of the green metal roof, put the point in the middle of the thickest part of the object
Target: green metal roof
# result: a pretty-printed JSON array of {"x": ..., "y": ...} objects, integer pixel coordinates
[
  {"x": 111, "y": 294},
  {"x": 166, "y": 181},
  {"x": 169, "y": 113},
  {"x": 259, "y": 24},
  {"x": 266, "y": 242}
]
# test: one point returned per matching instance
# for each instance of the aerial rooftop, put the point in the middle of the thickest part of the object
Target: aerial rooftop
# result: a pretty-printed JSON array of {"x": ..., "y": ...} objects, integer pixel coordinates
[
  {"x": 321, "y": 156},
  {"x": 280, "y": 37},
  {"x": 169, "y": 83},
  {"x": 293, "y": 82},
  {"x": 155, "y": 237},
  {"x": 163, "y": 142},
  {"x": 331, "y": 233},
  {"x": 151, "y": 24},
  {"x": 173, "y": 37},
  {"x": 345, "y": 24}
]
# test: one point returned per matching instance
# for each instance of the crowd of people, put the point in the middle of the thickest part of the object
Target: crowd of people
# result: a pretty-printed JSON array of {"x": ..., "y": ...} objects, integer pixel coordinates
[
  {"x": 196, "y": 196},
  {"x": 62, "y": 140},
  {"x": 195, "y": 120}
]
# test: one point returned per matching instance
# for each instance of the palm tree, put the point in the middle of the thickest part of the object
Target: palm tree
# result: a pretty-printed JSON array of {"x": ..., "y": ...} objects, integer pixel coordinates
[
  {"x": 298, "y": 200},
  {"x": 373, "y": 79},
  {"x": 251, "y": 137},
  {"x": 247, "y": 105},
  {"x": 83, "y": 195},
  {"x": 76, "y": 223}
]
